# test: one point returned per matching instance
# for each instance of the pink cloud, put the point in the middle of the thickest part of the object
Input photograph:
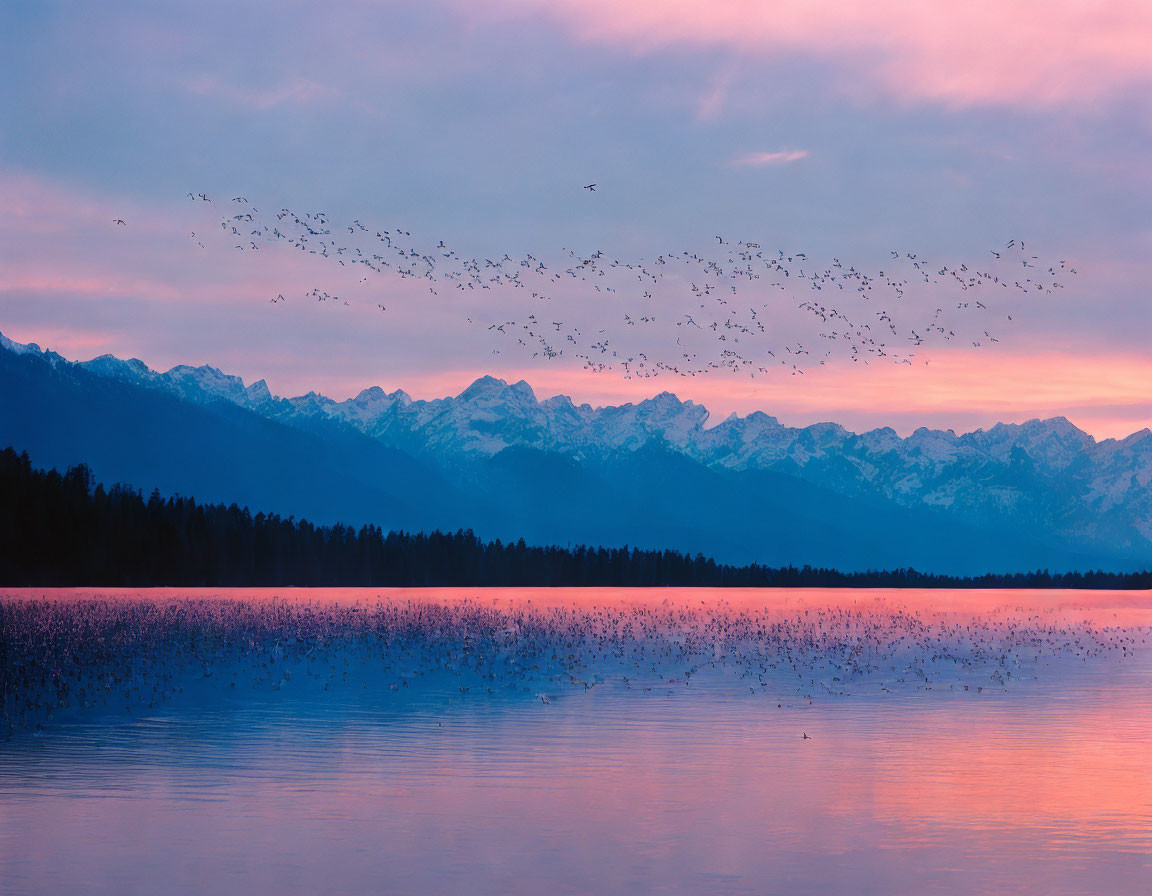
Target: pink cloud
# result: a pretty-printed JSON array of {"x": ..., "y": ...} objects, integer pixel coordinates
[
  {"x": 759, "y": 159},
  {"x": 80, "y": 284},
  {"x": 295, "y": 91},
  {"x": 976, "y": 52}
]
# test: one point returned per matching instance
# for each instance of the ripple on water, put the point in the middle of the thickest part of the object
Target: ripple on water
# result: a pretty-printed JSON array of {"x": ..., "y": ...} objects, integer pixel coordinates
[{"x": 1041, "y": 785}]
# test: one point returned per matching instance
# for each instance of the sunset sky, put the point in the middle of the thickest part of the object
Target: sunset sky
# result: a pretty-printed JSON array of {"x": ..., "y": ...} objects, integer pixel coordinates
[{"x": 839, "y": 129}]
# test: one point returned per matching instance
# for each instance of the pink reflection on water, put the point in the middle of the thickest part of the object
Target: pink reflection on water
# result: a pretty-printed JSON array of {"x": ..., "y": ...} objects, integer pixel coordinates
[
  {"x": 1094, "y": 607},
  {"x": 1040, "y": 788},
  {"x": 618, "y": 795}
]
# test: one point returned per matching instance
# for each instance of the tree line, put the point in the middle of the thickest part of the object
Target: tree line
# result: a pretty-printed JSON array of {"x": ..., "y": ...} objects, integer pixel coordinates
[{"x": 66, "y": 530}]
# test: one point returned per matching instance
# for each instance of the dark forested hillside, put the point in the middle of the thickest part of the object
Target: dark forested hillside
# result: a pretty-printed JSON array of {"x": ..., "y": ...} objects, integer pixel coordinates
[{"x": 64, "y": 529}]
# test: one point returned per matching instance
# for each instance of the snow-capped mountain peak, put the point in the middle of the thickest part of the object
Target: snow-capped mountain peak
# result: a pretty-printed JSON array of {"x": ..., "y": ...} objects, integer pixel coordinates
[{"x": 1048, "y": 473}]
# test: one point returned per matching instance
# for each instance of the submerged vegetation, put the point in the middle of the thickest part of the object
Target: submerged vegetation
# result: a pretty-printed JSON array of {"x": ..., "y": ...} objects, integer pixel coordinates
[{"x": 65, "y": 529}]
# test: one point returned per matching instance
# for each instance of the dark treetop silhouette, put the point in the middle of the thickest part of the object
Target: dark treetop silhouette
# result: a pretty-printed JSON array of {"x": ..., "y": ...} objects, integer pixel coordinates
[{"x": 64, "y": 530}]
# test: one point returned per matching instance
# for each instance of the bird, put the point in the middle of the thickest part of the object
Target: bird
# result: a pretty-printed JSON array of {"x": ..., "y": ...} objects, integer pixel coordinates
[
  {"x": 731, "y": 340},
  {"x": 590, "y": 187}
]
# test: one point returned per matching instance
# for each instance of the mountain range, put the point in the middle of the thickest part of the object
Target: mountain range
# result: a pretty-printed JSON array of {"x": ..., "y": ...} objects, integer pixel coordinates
[{"x": 1041, "y": 494}]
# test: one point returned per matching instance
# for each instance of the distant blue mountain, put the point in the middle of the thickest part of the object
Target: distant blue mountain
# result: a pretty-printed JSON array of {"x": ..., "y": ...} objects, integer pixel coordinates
[{"x": 495, "y": 459}]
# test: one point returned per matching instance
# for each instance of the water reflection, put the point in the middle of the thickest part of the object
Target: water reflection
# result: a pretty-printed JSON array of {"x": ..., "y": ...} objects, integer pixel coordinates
[{"x": 1043, "y": 787}]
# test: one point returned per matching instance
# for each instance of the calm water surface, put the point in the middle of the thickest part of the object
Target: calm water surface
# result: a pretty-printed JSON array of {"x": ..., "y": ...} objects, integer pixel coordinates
[{"x": 1044, "y": 786}]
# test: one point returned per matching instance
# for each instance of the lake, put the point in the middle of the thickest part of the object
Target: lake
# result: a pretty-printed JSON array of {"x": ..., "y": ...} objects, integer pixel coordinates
[{"x": 576, "y": 741}]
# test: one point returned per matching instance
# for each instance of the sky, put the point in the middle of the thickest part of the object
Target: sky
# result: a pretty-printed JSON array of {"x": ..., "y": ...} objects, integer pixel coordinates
[{"x": 842, "y": 130}]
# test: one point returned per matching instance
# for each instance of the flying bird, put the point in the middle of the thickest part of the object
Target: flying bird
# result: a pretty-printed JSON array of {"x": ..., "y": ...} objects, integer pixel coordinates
[{"x": 718, "y": 334}]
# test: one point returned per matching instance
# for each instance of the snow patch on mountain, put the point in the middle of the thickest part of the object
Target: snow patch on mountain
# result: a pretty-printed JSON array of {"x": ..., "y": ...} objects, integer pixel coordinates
[
  {"x": 20, "y": 348},
  {"x": 1041, "y": 473}
]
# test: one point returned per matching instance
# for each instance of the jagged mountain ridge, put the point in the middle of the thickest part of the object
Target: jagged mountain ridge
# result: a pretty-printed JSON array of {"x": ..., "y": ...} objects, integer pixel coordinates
[
  {"x": 1079, "y": 496},
  {"x": 933, "y": 467}
]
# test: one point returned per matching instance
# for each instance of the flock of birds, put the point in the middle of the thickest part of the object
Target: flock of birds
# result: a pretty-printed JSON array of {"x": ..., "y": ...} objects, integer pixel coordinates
[
  {"x": 71, "y": 655},
  {"x": 735, "y": 306}
]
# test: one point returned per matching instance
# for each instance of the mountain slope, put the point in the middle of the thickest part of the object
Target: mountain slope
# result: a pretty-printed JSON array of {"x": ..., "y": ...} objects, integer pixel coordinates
[
  {"x": 148, "y": 437},
  {"x": 496, "y": 459}
]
